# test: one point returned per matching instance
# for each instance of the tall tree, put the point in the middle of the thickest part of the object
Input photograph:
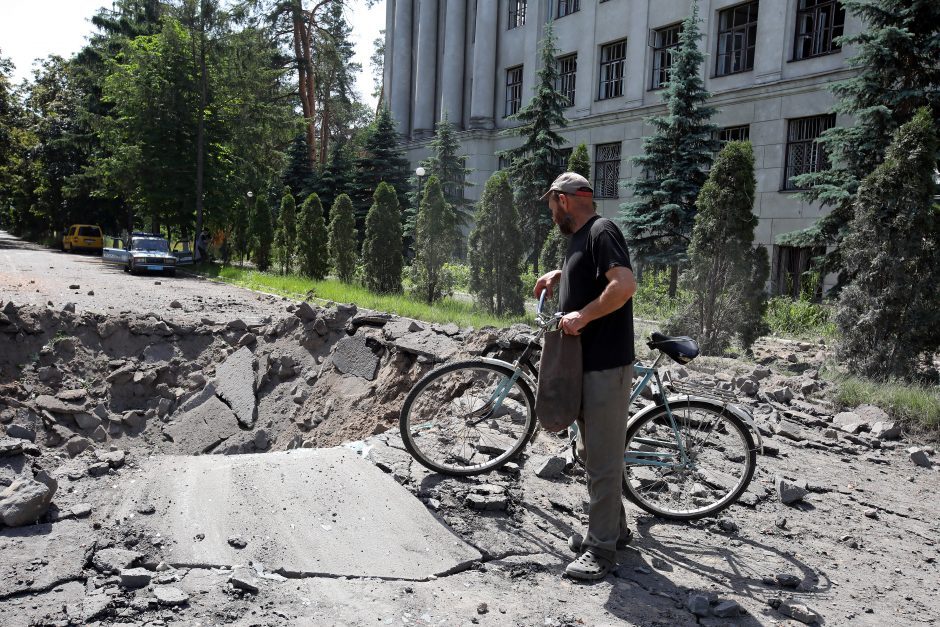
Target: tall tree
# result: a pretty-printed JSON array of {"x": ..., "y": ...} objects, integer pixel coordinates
[
  {"x": 890, "y": 322},
  {"x": 897, "y": 73},
  {"x": 287, "y": 227},
  {"x": 342, "y": 239},
  {"x": 724, "y": 267},
  {"x": 381, "y": 250},
  {"x": 382, "y": 160},
  {"x": 300, "y": 174},
  {"x": 338, "y": 176},
  {"x": 658, "y": 222},
  {"x": 435, "y": 233},
  {"x": 377, "y": 65},
  {"x": 496, "y": 249},
  {"x": 262, "y": 234},
  {"x": 312, "y": 239},
  {"x": 534, "y": 164},
  {"x": 556, "y": 244}
]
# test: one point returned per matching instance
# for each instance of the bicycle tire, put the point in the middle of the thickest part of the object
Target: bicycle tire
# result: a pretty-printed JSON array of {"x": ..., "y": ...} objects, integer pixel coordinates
[
  {"x": 730, "y": 458},
  {"x": 445, "y": 435}
]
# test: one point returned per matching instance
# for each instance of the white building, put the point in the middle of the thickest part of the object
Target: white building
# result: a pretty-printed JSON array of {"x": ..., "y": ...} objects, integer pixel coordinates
[{"x": 768, "y": 64}]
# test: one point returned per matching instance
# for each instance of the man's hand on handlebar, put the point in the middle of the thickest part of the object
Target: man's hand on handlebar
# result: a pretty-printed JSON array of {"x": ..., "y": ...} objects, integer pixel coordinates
[{"x": 547, "y": 281}]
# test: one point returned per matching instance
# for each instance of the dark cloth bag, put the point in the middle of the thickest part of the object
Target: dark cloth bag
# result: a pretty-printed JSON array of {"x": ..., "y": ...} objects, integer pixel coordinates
[{"x": 558, "y": 399}]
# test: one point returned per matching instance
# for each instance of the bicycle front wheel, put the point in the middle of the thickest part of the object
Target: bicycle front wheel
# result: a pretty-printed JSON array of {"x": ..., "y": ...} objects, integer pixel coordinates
[
  {"x": 467, "y": 417},
  {"x": 719, "y": 464}
]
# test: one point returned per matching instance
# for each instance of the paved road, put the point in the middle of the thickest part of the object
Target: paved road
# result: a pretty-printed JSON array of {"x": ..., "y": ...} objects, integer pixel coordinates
[{"x": 31, "y": 274}]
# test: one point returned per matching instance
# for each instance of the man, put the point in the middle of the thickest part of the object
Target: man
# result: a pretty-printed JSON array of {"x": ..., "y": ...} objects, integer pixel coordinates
[{"x": 596, "y": 285}]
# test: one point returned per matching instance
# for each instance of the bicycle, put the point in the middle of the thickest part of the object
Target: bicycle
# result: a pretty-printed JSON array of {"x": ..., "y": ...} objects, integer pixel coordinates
[{"x": 686, "y": 456}]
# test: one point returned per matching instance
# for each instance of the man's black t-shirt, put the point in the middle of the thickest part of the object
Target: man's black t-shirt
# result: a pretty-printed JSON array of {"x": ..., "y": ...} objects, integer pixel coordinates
[{"x": 597, "y": 247}]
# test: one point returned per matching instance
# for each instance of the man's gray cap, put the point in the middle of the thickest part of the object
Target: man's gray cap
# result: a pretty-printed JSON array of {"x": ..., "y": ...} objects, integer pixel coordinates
[{"x": 570, "y": 183}]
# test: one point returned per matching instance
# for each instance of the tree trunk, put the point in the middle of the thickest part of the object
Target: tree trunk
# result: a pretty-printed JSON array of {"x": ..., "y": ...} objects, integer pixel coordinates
[
  {"x": 673, "y": 281},
  {"x": 305, "y": 78},
  {"x": 201, "y": 125}
]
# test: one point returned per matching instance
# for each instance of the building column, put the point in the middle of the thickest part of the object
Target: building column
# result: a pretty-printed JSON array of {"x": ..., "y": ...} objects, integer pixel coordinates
[
  {"x": 426, "y": 73},
  {"x": 401, "y": 67},
  {"x": 483, "y": 97},
  {"x": 454, "y": 47}
]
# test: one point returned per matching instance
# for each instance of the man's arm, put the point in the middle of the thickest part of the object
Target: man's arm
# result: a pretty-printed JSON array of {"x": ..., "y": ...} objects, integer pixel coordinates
[
  {"x": 620, "y": 288},
  {"x": 547, "y": 281}
]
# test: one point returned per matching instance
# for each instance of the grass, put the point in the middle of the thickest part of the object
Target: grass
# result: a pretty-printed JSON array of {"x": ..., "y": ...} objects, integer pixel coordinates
[
  {"x": 916, "y": 405},
  {"x": 444, "y": 311},
  {"x": 799, "y": 318}
]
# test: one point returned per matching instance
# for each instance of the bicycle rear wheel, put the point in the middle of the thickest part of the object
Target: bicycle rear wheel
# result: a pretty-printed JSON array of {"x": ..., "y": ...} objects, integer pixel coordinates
[
  {"x": 450, "y": 422},
  {"x": 721, "y": 461}
]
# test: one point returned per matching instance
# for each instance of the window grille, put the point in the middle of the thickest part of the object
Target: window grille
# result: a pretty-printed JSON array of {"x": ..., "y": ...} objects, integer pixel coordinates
[
  {"x": 607, "y": 170},
  {"x": 737, "y": 37},
  {"x": 613, "y": 60},
  {"x": 567, "y": 73},
  {"x": 517, "y": 13},
  {"x": 804, "y": 154},
  {"x": 513, "y": 90},
  {"x": 665, "y": 43},
  {"x": 734, "y": 134},
  {"x": 818, "y": 24},
  {"x": 567, "y": 7}
]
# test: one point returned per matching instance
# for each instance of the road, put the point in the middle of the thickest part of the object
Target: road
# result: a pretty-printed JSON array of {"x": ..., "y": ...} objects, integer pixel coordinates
[{"x": 35, "y": 275}]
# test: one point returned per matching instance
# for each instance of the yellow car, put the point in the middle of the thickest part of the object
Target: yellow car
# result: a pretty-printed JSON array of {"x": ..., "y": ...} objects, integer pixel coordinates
[{"x": 83, "y": 237}]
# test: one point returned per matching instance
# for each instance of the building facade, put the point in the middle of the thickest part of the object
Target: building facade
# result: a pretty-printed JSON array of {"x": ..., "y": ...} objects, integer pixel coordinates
[{"x": 768, "y": 64}]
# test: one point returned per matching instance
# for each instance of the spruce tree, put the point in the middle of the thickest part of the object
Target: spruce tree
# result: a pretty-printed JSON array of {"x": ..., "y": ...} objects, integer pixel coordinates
[
  {"x": 723, "y": 266},
  {"x": 658, "y": 221},
  {"x": 897, "y": 73},
  {"x": 263, "y": 234},
  {"x": 555, "y": 248},
  {"x": 381, "y": 251},
  {"x": 382, "y": 161},
  {"x": 300, "y": 174},
  {"x": 342, "y": 239},
  {"x": 889, "y": 315},
  {"x": 496, "y": 249},
  {"x": 311, "y": 239},
  {"x": 337, "y": 176},
  {"x": 534, "y": 164},
  {"x": 286, "y": 238},
  {"x": 435, "y": 232}
]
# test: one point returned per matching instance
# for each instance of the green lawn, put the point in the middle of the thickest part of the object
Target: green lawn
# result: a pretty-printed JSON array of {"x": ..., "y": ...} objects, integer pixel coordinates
[{"x": 447, "y": 310}]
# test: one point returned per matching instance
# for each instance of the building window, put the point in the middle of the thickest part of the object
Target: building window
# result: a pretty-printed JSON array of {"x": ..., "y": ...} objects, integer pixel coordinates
[
  {"x": 665, "y": 43},
  {"x": 818, "y": 23},
  {"x": 561, "y": 161},
  {"x": 613, "y": 59},
  {"x": 567, "y": 7},
  {"x": 734, "y": 134},
  {"x": 804, "y": 154},
  {"x": 737, "y": 36},
  {"x": 567, "y": 71},
  {"x": 607, "y": 170},
  {"x": 504, "y": 163},
  {"x": 790, "y": 273},
  {"x": 516, "y": 13},
  {"x": 513, "y": 90}
]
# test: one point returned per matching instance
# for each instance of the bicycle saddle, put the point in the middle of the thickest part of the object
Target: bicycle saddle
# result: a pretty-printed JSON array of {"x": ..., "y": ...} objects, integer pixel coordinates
[{"x": 680, "y": 348}]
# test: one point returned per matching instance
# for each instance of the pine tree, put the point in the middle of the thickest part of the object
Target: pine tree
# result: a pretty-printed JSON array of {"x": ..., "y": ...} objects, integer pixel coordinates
[
  {"x": 342, "y": 240},
  {"x": 724, "y": 268},
  {"x": 496, "y": 249},
  {"x": 381, "y": 251},
  {"x": 435, "y": 232},
  {"x": 889, "y": 315},
  {"x": 450, "y": 168},
  {"x": 263, "y": 234},
  {"x": 555, "y": 248},
  {"x": 311, "y": 239},
  {"x": 383, "y": 161},
  {"x": 658, "y": 222},
  {"x": 534, "y": 164},
  {"x": 337, "y": 176},
  {"x": 286, "y": 237},
  {"x": 300, "y": 174},
  {"x": 897, "y": 73}
]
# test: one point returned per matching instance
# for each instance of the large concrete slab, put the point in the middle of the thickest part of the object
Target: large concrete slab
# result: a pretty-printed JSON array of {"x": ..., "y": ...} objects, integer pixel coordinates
[
  {"x": 323, "y": 512},
  {"x": 235, "y": 384},
  {"x": 39, "y": 557}
]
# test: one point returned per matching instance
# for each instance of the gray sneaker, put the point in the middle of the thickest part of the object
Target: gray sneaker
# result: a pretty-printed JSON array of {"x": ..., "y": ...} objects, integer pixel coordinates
[{"x": 576, "y": 540}]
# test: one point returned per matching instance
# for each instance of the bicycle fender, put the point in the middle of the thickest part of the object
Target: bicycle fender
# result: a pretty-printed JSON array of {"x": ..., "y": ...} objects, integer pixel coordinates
[
  {"x": 739, "y": 412},
  {"x": 522, "y": 375}
]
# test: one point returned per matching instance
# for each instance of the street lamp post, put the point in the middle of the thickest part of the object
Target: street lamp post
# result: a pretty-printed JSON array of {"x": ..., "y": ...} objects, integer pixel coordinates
[{"x": 420, "y": 172}]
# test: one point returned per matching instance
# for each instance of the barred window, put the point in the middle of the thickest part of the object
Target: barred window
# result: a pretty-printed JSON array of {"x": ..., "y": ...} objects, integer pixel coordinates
[
  {"x": 567, "y": 72},
  {"x": 804, "y": 154},
  {"x": 818, "y": 23},
  {"x": 504, "y": 163},
  {"x": 737, "y": 37},
  {"x": 516, "y": 13},
  {"x": 561, "y": 161},
  {"x": 607, "y": 170},
  {"x": 665, "y": 43},
  {"x": 734, "y": 134},
  {"x": 567, "y": 7},
  {"x": 513, "y": 90},
  {"x": 613, "y": 60}
]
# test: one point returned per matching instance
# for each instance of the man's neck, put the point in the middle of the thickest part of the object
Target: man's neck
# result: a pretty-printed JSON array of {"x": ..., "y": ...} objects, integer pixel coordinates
[{"x": 581, "y": 220}]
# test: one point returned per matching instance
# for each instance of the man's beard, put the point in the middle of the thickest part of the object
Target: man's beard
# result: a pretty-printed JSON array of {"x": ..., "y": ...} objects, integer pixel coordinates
[{"x": 566, "y": 224}]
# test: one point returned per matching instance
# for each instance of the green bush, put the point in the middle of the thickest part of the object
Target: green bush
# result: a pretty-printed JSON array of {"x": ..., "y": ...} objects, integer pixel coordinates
[
  {"x": 461, "y": 275},
  {"x": 652, "y": 300},
  {"x": 786, "y": 316}
]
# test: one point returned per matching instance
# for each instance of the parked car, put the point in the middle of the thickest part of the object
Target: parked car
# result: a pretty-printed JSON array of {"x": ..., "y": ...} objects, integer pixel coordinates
[
  {"x": 83, "y": 237},
  {"x": 143, "y": 252}
]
